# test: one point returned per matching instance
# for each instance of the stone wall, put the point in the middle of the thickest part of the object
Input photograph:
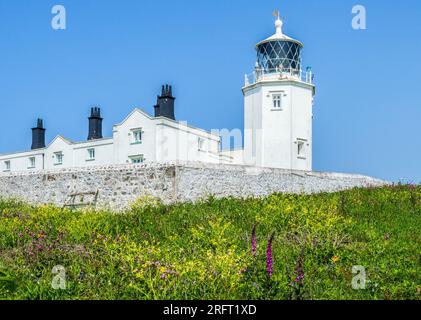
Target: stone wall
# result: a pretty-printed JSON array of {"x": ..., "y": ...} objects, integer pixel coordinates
[{"x": 117, "y": 186}]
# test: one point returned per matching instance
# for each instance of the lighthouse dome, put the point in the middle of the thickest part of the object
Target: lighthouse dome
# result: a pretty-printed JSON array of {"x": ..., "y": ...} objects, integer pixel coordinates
[{"x": 279, "y": 52}]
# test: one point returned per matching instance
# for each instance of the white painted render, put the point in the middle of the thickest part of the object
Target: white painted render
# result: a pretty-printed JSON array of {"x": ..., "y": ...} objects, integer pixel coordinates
[
  {"x": 272, "y": 135},
  {"x": 162, "y": 140}
]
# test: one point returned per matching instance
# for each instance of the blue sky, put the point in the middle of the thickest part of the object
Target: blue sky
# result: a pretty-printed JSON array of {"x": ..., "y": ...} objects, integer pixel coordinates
[{"x": 116, "y": 54}]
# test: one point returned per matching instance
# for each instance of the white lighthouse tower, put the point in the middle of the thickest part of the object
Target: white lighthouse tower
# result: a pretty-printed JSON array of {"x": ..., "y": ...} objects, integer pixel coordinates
[{"x": 278, "y": 102}]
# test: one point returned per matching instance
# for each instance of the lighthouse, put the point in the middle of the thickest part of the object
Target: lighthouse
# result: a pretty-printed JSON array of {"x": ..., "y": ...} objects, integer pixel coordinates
[{"x": 278, "y": 106}]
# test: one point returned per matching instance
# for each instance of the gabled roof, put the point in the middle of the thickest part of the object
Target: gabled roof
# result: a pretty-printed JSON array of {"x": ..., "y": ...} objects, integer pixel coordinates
[
  {"x": 59, "y": 137},
  {"x": 165, "y": 119},
  {"x": 131, "y": 113}
]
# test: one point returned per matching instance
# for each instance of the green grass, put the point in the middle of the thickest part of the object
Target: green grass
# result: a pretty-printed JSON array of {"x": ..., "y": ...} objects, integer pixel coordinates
[{"x": 203, "y": 250}]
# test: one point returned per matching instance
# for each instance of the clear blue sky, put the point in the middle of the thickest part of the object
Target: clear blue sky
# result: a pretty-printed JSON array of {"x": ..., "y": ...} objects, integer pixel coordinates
[{"x": 116, "y": 54}]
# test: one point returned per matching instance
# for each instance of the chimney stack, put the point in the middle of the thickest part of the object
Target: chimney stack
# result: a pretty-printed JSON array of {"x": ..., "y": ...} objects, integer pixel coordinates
[
  {"x": 95, "y": 124},
  {"x": 38, "y": 136},
  {"x": 165, "y": 103}
]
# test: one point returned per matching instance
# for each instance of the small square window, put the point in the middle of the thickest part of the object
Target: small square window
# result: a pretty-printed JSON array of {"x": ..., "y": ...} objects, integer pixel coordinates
[
  {"x": 137, "y": 136},
  {"x": 31, "y": 163},
  {"x": 277, "y": 101},
  {"x": 91, "y": 154},
  {"x": 7, "y": 165},
  {"x": 58, "y": 156}
]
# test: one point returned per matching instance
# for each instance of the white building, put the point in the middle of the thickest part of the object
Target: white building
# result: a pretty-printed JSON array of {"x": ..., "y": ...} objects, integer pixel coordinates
[{"x": 278, "y": 101}]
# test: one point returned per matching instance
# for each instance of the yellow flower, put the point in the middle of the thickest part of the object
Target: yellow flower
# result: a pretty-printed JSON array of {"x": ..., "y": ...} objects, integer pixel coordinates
[{"x": 335, "y": 259}]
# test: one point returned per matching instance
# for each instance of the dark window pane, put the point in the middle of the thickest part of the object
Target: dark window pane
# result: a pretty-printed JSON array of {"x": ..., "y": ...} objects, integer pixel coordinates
[{"x": 275, "y": 54}]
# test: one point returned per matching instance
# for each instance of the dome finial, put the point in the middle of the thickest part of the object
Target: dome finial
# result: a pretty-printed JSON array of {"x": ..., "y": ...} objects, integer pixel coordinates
[{"x": 278, "y": 22}]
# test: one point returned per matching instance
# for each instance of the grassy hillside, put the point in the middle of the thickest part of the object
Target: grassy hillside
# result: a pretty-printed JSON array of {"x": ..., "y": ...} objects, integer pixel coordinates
[{"x": 206, "y": 250}]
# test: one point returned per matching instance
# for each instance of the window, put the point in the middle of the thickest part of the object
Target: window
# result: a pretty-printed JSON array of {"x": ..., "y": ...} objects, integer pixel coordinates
[
  {"x": 31, "y": 163},
  {"x": 137, "y": 159},
  {"x": 7, "y": 166},
  {"x": 58, "y": 156},
  {"x": 91, "y": 155},
  {"x": 277, "y": 101},
  {"x": 301, "y": 148},
  {"x": 201, "y": 144},
  {"x": 137, "y": 136}
]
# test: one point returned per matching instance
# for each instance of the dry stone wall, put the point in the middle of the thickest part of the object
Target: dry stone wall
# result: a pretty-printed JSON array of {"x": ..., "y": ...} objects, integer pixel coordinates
[{"x": 115, "y": 187}]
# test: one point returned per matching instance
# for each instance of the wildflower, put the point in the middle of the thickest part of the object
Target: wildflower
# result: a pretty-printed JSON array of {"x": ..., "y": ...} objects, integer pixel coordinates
[
  {"x": 335, "y": 259},
  {"x": 299, "y": 271},
  {"x": 254, "y": 241},
  {"x": 299, "y": 278},
  {"x": 269, "y": 256}
]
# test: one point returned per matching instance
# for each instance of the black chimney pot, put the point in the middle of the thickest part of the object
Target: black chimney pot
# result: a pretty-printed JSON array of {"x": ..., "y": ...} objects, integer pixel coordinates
[
  {"x": 95, "y": 124},
  {"x": 38, "y": 136},
  {"x": 165, "y": 103}
]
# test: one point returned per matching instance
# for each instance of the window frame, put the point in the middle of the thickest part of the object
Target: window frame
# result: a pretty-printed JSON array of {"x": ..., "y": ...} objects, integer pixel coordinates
[
  {"x": 58, "y": 156},
  {"x": 137, "y": 133},
  {"x": 7, "y": 165},
  {"x": 32, "y": 163},
  {"x": 91, "y": 156},
  {"x": 301, "y": 148},
  {"x": 277, "y": 101},
  {"x": 138, "y": 159}
]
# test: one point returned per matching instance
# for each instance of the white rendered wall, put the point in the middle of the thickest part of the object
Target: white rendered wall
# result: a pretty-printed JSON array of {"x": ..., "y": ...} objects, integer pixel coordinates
[
  {"x": 232, "y": 157},
  {"x": 59, "y": 144},
  {"x": 302, "y": 126},
  {"x": 271, "y": 134},
  {"x": 179, "y": 142},
  {"x": 253, "y": 126},
  {"x": 162, "y": 140},
  {"x": 20, "y": 161},
  {"x": 104, "y": 153},
  {"x": 76, "y": 154},
  {"x": 124, "y": 146}
]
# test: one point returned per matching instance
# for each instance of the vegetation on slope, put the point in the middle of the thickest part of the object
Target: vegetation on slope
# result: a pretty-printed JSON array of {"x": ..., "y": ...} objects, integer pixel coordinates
[{"x": 281, "y": 247}]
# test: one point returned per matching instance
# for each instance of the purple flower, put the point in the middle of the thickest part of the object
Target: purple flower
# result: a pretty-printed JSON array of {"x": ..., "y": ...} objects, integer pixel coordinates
[
  {"x": 299, "y": 278},
  {"x": 254, "y": 241},
  {"x": 269, "y": 257},
  {"x": 299, "y": 271}
]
